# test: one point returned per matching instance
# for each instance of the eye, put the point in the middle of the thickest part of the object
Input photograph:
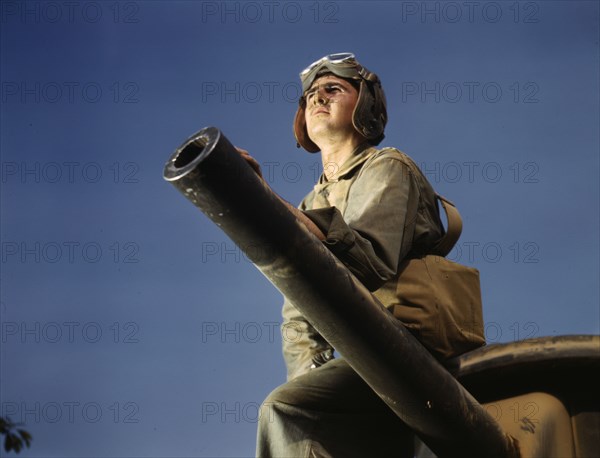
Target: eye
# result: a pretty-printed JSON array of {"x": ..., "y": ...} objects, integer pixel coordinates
[
  {"x": 332, "y": 88},
  {"x": 329, "y": 89}
]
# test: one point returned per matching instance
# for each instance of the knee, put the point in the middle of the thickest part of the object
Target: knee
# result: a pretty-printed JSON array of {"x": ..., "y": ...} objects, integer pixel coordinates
[
  {"x": 284, "y": 402},
  {"x": 288, "y": 394},
  {"x": 272, "y": 409}
]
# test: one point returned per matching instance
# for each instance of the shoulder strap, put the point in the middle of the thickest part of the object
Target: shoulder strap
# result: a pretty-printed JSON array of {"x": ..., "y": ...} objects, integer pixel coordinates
[
  {"x": 449, "y": 239},
  {"x": 454, "y": 230}
]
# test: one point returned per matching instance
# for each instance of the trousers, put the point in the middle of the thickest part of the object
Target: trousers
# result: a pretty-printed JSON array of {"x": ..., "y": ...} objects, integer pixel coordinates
[{"x": 330, "y": 412}]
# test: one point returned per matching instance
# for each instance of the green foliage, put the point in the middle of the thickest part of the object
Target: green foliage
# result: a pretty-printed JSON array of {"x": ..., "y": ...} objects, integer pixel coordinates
[{"x": 14, "y": 437}]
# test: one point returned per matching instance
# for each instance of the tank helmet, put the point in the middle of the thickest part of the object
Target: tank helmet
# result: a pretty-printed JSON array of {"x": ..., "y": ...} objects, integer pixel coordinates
[{"x": 370, "y": 114}]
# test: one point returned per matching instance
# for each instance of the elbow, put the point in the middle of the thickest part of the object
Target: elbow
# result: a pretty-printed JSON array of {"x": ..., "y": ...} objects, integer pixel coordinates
[{"x": 371, "y": 279}]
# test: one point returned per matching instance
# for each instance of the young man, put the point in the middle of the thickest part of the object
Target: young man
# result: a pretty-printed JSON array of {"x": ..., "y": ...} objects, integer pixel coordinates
[{"x": 372, "y": 208}]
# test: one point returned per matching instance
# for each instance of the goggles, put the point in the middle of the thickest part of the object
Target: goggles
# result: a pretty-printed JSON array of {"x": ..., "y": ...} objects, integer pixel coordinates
[
  {"x": 343, "y": 64},
  {"x": 336, "y": 59}
]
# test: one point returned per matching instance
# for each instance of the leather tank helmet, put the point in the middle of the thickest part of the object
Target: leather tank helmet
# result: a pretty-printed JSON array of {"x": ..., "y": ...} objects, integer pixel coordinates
[{"x": 370, "y": 114}]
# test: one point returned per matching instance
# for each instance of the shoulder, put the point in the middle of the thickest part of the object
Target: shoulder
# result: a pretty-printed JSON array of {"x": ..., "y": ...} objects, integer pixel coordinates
[
  {"x": 392, "y": 158},
  {"x": 391, "y": 164},
  {"x": 392, "y": 154}
]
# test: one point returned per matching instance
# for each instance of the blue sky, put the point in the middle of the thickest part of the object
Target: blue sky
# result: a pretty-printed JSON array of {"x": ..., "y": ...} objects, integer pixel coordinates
[{"x": 130, "y": 325}]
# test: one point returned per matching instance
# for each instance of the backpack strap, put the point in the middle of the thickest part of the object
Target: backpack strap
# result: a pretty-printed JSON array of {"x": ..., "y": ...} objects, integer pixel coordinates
[{"x": 454, "y": 230}]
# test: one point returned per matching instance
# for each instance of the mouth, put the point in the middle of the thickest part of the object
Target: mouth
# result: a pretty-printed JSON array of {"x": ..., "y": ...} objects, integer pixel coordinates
[{"x": 320, "y": 110}]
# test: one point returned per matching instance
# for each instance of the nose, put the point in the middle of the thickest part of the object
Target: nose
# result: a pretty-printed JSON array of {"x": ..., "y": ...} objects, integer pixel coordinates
[{"x": 319, "y": 98}]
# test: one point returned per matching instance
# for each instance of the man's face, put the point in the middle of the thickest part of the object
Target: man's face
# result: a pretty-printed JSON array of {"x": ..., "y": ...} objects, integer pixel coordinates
[{"x": 330, "y": 102}]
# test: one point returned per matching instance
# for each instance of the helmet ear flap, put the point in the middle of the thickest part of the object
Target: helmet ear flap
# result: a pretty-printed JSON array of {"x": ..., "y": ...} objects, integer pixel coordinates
[
  {"x": 370, "y": 115},
  {"x": 300, "y": 131}
]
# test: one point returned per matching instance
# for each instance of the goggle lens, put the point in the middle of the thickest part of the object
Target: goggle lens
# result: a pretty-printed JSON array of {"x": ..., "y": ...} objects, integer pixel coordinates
[{"x": 337, "y": 58}]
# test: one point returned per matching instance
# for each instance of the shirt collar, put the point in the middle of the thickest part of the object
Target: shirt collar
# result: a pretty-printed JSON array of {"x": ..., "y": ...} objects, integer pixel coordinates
[{"x": 360, "y": 154}]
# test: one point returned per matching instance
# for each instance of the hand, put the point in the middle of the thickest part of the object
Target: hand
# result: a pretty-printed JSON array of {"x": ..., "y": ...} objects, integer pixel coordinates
[
  {"x": 250, "y": 160},
  {"x": 321, "y": 358}
]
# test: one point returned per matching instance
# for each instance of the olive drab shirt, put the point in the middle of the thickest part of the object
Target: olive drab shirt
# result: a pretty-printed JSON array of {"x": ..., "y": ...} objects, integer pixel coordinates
[{"x": 376, "y": 210}]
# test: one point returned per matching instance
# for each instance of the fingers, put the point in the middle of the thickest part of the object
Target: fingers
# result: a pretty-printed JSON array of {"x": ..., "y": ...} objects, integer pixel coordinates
[{"x": 250, "y": 160}]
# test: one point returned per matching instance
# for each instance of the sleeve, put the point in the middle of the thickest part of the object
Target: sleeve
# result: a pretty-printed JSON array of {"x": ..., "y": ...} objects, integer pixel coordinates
[
  {"x": 377, "y": 228},
  {"x": 303, "y": 347}
]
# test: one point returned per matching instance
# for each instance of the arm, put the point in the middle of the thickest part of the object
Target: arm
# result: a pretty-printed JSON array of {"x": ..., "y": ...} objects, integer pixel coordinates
[
  {"x": 377, "y": 228},
  {"x": 303, "y": 347}
]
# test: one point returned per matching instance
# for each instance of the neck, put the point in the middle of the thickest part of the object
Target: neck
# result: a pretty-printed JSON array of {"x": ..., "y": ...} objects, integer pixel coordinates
[{"x": 334, "y": 153}]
